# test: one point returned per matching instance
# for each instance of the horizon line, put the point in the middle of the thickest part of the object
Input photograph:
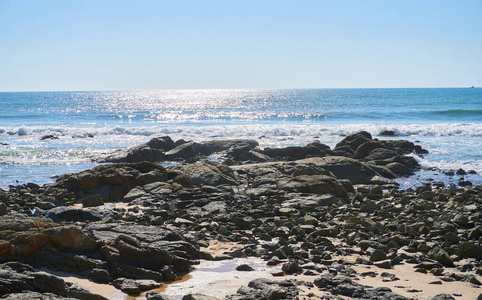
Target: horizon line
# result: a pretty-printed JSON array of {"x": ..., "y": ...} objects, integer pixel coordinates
[{"x": 200, "y": 89}]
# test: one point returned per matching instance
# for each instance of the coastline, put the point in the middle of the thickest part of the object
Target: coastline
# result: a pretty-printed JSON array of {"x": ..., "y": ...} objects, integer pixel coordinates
[{"x": 323, "y": 215}]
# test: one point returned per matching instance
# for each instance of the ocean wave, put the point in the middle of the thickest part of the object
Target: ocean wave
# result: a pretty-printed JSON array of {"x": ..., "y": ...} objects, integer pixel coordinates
[
  {"x": 201, "y": 132},
  {"x": 458, "y": 112}
]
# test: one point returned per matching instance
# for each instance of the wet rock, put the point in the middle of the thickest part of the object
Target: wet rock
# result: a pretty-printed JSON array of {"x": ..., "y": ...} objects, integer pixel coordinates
[
  {"x": 387, "y": 133},
  {"x": 49, "y": 137},
  {"x": 83, "y": 136}
]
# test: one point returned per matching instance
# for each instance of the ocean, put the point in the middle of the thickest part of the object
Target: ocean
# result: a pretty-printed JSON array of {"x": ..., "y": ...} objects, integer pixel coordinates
[{"x": 445, "y": 121}]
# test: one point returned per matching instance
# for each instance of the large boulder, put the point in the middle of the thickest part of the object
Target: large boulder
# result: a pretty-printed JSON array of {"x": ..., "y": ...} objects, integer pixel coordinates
[
  {"x": 109, "y": 182},
  {"x": 344, "y": 168},
  {"x": 201, "y": 174}
]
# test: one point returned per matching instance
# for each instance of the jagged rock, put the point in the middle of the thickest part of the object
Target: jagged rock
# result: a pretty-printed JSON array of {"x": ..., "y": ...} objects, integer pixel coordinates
[
  {"x": 16, "y": 278},
  {"x": 110, "y": 182},
  {"x": 441, "y": 256}
]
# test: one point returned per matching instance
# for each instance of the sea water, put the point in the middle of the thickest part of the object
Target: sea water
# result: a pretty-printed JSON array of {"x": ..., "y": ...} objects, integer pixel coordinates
[{"x": 445, "y": 121}]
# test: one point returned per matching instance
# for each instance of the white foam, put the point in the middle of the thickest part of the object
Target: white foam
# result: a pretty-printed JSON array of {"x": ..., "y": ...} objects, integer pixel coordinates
[{"x": 451, "y": 146}]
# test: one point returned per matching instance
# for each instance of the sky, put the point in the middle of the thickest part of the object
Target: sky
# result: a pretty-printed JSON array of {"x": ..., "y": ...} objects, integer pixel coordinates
[{"x": 137, "y": 45}]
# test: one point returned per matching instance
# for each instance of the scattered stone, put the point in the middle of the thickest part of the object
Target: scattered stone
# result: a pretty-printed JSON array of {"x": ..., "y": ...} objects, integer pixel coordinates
[{"x": 244, "y": 268}]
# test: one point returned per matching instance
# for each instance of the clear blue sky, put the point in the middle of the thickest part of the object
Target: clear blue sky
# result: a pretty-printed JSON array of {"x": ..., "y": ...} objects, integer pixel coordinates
[{"x": 130, "y": 45}]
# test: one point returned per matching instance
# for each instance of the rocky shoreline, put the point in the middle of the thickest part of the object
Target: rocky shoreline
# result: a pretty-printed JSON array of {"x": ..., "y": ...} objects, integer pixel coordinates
[{"x": 133, "y": 224}]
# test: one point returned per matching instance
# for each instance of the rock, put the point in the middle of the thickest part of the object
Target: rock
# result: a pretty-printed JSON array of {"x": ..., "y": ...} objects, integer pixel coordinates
[
  {"x": 49, "y": 137},
  {"x": 353, "y": 141},
  {"x": 3, "y": 209},
  {"x": 267, "y": 289},
  {"x": 211, "y": 174},
  {"x": 71, "y": 238},
  {"x": 183, "y": 151},
  {"x": 198, "y": 296},
  {"x": 387, "y": 133},
  {"x": 128, "y": 286},
  {"x": 385, "y": 264},
  {"x": 377, "y": 255},
  {"x": 244, "y": 268},
  {"x": 155, "y": 296},
  {"x": 163, "y": 143},
  {"x": 71, "y": 214},
  {"x": 77, "y": 292},
  {"x": 83, "y": 136},
  {"x": 100, "y": 276},
  {"x": 366, "y": 148},
  {"x": 211, "y": 147},
  {"x": 441, "y": 297},
  {"x": 441, "y": 256},
  {"x": 34, "y": 295},
  {"x": 292, "y": 268},
  {"x": 91, "y": 201},
  {"x": 16, "y": 278}
]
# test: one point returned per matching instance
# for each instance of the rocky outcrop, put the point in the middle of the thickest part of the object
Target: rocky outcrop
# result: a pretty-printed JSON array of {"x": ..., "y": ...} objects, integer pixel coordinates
[
  {"x": 304, "y": 209},
  {"x": 165, "y": 149},
  {"x": 21, "y": 281},
  {"x": 109, "y": 182}
]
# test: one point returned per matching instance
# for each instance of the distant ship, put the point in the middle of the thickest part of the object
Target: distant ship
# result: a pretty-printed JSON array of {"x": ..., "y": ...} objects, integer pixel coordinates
[{"x": 472, "y": 87}]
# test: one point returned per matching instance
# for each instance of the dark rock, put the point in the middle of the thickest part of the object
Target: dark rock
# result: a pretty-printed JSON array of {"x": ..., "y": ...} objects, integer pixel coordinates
[
  {"x": 100, "y": 276},
  {"x": 387, "y": 133},
  {"x": 385, "y": 264},
  {"x": 77, "y": 292},
  {"x": 49, "y": 137},
  {"x": 244, "y": 267},
  {"x": 198, "y": 296},
  {"x": 441, "y": 256},
  {"x": 34, "y": 295},
  {"x": 184, "y": 151},
  {"x": 155, "y": 296},
  {"x": 83, "y": 136},
  {"x": 441, "y": 297},
  {"x": 92, "y": 201},
  {"x": 211, "y": 174},
  {"x": 64, "y": 213},
  {"x": 292, "y": 268}
]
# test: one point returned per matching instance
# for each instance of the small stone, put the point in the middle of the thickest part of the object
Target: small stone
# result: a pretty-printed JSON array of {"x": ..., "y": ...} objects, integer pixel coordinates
[
  {"x": 384, "y": 264},
  {"x": 244, "y": 268},
  {"x": 292, "y": 268}
]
